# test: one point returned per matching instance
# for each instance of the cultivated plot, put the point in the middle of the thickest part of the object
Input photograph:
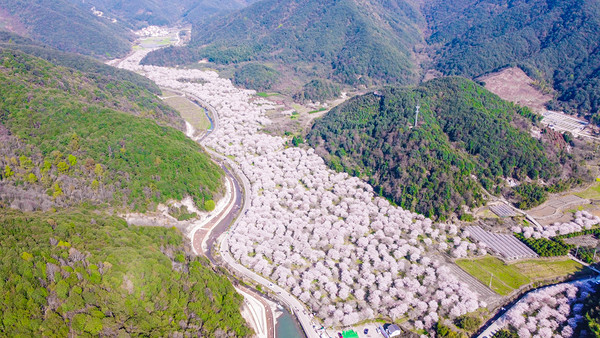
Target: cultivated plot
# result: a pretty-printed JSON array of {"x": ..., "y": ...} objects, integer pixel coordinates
[{"x": 507, "y": 246}]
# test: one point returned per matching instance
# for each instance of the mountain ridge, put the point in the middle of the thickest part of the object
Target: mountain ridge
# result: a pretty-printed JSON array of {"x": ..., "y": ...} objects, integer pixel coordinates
[{"x": 339, "y": 37}]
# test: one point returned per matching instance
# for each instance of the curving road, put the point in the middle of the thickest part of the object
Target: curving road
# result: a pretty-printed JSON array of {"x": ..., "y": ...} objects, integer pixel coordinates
[
  {"x": 242, "y": 203},
  {"x": 228, "y": 220}
]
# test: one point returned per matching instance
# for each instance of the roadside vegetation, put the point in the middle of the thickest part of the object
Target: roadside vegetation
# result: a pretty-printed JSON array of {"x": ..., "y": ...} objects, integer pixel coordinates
[{"x": 556, "y": 246}]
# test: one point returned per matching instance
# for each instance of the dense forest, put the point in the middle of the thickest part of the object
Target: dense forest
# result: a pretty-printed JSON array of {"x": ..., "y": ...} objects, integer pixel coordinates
[
  {"x": 465, "y": 138},
  {"x": 77, "y": 146},
  {"x": 141, "y": 13},
  {"x": 88, "y": 65},
  {"x": 65, "y": 26},
  {"x": 591, "y": 312},
  {"x": 69, "y": 138},
  {"x": 374, "y": 42},
  {"x": 256, "y": 76},
  {"x": 343, "y": 40},
  {"x": 80, "y": 272},
  {"x": 554, "y": 41},
  {"x": 318, "y": 90}
]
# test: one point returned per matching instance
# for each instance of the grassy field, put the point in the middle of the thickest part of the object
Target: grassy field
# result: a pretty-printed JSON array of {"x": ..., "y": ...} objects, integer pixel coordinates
[
  {"x": 537, "y": 269},
  {"x": 506, "y": 278},
  {"x": 263, "y": 94},
  {"x": 189, "y": 111},
  {"x": 593, "y": 192}
]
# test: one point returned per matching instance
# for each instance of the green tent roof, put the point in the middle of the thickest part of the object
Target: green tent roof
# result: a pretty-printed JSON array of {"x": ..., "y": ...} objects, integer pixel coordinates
[{"x": 350, "y": 334}]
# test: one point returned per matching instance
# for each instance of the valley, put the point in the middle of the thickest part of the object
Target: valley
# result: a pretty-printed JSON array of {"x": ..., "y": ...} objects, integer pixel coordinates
[
  {"x": 283, "y": 169},
  {"x": 241, "y": 117}
]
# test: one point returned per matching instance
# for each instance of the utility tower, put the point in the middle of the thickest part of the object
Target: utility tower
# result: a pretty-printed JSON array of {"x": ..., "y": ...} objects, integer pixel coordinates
[{"x": 417, "y": 115}]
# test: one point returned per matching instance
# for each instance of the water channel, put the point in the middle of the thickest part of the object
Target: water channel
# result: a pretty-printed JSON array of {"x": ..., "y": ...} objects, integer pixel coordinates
[{"x": 287, "y": 327}]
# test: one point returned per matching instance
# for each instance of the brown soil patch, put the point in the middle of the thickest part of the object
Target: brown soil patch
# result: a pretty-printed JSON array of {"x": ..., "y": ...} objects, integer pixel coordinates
[{"x": 512, "y": 84}]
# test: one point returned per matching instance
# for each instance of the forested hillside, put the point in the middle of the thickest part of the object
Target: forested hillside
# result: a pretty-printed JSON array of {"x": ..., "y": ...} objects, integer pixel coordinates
[
  {"x": 65, "y": 26},
  {"x": 351, "y": 42},
  {"x": 70, "y": 138},
  {"x": 554, "y": 41},
  {"x": 80, "y": 272},
  {"x": 465, "y": 138},
  {"x": 90, "y": 66},
  {"x": 76, "y": 148},
  {"x": 140, "y": 13}
]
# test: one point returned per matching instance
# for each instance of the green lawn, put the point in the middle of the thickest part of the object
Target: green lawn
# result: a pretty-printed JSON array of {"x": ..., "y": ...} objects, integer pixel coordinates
[
  {"x": 317, "y": 110},
  {"x": 505, "y": 278}
]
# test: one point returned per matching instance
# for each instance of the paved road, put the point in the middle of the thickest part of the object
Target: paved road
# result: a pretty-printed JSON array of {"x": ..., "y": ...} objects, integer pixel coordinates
[
  {"x": 268, "y": 311},
  {"x": 242, "y": 202},
  {"x": 294, "y": 304},
  {"x": 225, "y": 219}
]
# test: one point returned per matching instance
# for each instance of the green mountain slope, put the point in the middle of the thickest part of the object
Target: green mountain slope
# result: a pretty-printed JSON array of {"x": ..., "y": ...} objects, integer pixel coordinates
[
  {"x": 88, "y": 65},
  {"x": 83, "y": 273},
  {"x": 140, "y": 13},
  {"x": 555, "y": 41},
  {"x": 71, "y": 138},
  {"x": 68, "y": 27},
  {"x": 76, "y": 148},
  {"x": 465, "y": 138},
  {"x": 349, "y": 41}
]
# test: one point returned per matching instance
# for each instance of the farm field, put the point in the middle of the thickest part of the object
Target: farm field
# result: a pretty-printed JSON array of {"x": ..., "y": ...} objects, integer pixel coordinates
[
  {"x": 188, "y": 110},
  {"x": 593, "y": 192},
  {"x": 538, "y": 269},
  {"x": 507, "y": 278}
]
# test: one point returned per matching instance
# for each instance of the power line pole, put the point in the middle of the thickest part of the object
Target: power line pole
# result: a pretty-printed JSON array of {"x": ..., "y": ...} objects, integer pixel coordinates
[
  {"x": 417, "y": 115},
  {"x": 491, "y": 276}
]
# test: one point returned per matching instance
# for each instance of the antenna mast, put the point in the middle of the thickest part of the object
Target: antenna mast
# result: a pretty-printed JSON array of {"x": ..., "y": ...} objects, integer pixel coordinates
[{"x": 417, "y": 115}]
